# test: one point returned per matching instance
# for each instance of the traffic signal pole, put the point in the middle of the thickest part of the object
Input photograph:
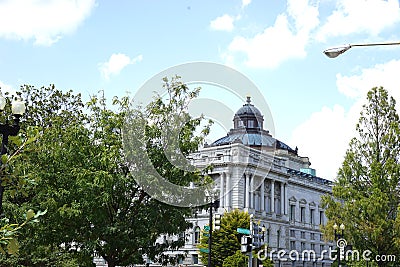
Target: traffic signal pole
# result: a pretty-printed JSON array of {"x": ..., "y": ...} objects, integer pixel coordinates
[
  {"x": 251, "y": 236},
  {"x": 210, "y": 232}
]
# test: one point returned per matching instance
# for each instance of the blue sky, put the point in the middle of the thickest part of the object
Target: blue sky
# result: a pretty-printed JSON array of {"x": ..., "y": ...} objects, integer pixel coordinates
[{"x": 115, "y": 46}]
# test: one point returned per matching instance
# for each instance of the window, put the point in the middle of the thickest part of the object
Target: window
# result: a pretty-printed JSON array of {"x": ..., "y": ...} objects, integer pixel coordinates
[
  {"x": 312, "y": 236},
  {"x": 292, "y": 233},
  {"x": 268, "y": 234},
  {"x": 241, "y": 124},
  {"x": 303, "y": 246},
  {"x": 313, "y": 247},
  {"x": 302, "y": 214},
  {"x": 278, "y": 239},
  {"x": 321, "y": 217},
  {"x": 292, "y": 245},
  {"x": 292, "y": 213},
  {"x": 195, "y": 259},
  {"x": 197, "y": 235},
  {"x": 303, "y": 235},
  {"x": 312, "y": 213},
  {"x": 321, "y": 248},
  {"x": 250, "y": 124}
]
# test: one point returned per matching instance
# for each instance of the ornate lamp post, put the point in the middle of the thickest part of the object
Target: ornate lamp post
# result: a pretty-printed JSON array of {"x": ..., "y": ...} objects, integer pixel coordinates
[
  {"x": 6, "y": 130},
  {"x": 340, "y": 237},
  {"x": 336, "y": 51}
]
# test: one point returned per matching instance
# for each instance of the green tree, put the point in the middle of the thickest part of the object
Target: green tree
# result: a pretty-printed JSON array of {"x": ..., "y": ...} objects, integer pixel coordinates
[
  {"x": 366, "y": 193},
  {"x": 236, "y": 260},
  {"x": 226, "y": 240},
  {"x": 87, "y": 185}
]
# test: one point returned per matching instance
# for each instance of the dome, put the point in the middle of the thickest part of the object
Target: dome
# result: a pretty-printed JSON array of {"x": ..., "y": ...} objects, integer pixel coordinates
[
  {"x": 248, "y": 109},
  {"x": 248, "y": 130}
]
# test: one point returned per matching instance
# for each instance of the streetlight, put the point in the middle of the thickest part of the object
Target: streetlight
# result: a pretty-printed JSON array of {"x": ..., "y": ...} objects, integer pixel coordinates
[
  {"x": 339, "y": 236},
  {"x": 17, "y": 109},
  {"x": 336, "y": 51}
]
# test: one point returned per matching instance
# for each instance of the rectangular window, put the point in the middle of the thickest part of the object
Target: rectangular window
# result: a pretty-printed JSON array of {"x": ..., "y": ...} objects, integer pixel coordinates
[
  {"x": 292, "y": 233},
  {"x": 303, "y": 246},
  {"x": 303, "y": 235},
  {"x": 278, "y": 239},
  {"x": 195, "y": 259},
  {"x": 293, "y": 245},
  {"x": 302, "y": 214},
  {"x": 313, "y": 247},
  {"x": 197, "y": 235},
  {"x": 321, "y": 217},
  {"x": 292, "y": 214},
  {"x": 312, "y": 236},
  {"x": 250, "y": 124},
  {"x": 312, "y": 213}
]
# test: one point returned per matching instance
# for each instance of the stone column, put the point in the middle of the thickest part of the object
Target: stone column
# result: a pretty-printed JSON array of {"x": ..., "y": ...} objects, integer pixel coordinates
[
  {"x": 282, "y": 198},
  {"x": 228, "y": 190},
  {"x": 272, "y": 196},
  {"x": 262, "y": 200},
  {"x": 246, "y": 191},
  {"x": 286, "y": 199},
  {"x": 252, "y": 206},
  {"x": 221, "y": 190}
]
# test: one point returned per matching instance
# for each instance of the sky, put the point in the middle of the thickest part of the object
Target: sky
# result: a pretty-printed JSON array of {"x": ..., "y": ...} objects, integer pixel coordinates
[{"x": 116, "y": 46}]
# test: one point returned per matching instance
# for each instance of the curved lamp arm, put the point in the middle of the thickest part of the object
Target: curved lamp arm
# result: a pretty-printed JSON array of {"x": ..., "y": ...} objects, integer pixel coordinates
[{"x": 336, "y": 51}]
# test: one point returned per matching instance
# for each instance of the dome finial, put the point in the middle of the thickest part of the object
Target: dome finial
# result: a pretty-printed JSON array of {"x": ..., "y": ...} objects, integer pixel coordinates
[{"x": 248, "y": 99}]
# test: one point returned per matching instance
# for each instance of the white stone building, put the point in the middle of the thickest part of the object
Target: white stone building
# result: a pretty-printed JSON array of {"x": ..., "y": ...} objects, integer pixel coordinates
[{"x": 257, "y": 173}]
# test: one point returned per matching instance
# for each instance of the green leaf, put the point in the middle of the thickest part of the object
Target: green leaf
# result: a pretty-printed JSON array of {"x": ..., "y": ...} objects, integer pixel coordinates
[
  {"x": 13, "y": 246},
  {"x": 30, "y": 214}
]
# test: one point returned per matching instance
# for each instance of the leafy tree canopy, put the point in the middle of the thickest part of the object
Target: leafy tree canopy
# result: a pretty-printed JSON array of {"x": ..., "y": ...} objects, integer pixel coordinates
[
  {"x": 366, "y": 193},
  {"x": 88, "y": 187}
]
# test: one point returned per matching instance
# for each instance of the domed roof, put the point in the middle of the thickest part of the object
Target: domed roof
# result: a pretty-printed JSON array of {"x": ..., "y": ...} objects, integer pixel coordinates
[
  {"x": 248, "y": 109},
  {"x": 248, "y": 130}
]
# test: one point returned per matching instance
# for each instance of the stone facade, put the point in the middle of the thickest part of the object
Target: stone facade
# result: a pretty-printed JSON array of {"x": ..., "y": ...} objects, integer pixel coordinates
[
  {"x": 257, "y": 173},
  {"x": 261, "y": 175}
]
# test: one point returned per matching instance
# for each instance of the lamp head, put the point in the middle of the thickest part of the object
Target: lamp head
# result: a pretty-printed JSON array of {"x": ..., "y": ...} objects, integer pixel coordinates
[
  {"x": 18, "y": 107},
  {"x": 335, "y": 226},
  {"x": 2, "y": 101},
  {"x": 342, "y": 226},
  {"x": 336, "y": 51}
]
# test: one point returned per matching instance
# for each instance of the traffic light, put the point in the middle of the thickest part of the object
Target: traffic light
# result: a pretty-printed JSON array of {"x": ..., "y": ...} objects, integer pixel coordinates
[
  {"x": 217, "y": 221},
  {"x": 258, "y": 235},
  {"x": 245, "y": 242}
]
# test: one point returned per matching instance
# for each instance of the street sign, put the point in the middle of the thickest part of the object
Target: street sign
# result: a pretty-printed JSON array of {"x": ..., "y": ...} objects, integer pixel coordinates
[
  {"x": 206, "y": 227},
  {"x": 205, "y": 250},
  {"x": 243, "y": 231},
  {"x": 206, "y": 234}
]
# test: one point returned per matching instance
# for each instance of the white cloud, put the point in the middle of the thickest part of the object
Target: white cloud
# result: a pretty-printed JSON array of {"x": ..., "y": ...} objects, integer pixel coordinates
[
  {"x": 5, "y": 87},
  {"x": 279, "y": 42},
  {"x": 385, "y": 75},
  {"x": 44, "y": 21},
  {"x": 245, "y": 3},
  {"x": 116, "y": 63},
  {"x": 223, "y": 23},
  {"x": 360, "y": 16},
  {"x": 271, "y": 47},
  {"x": 324, "y": 137}
]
